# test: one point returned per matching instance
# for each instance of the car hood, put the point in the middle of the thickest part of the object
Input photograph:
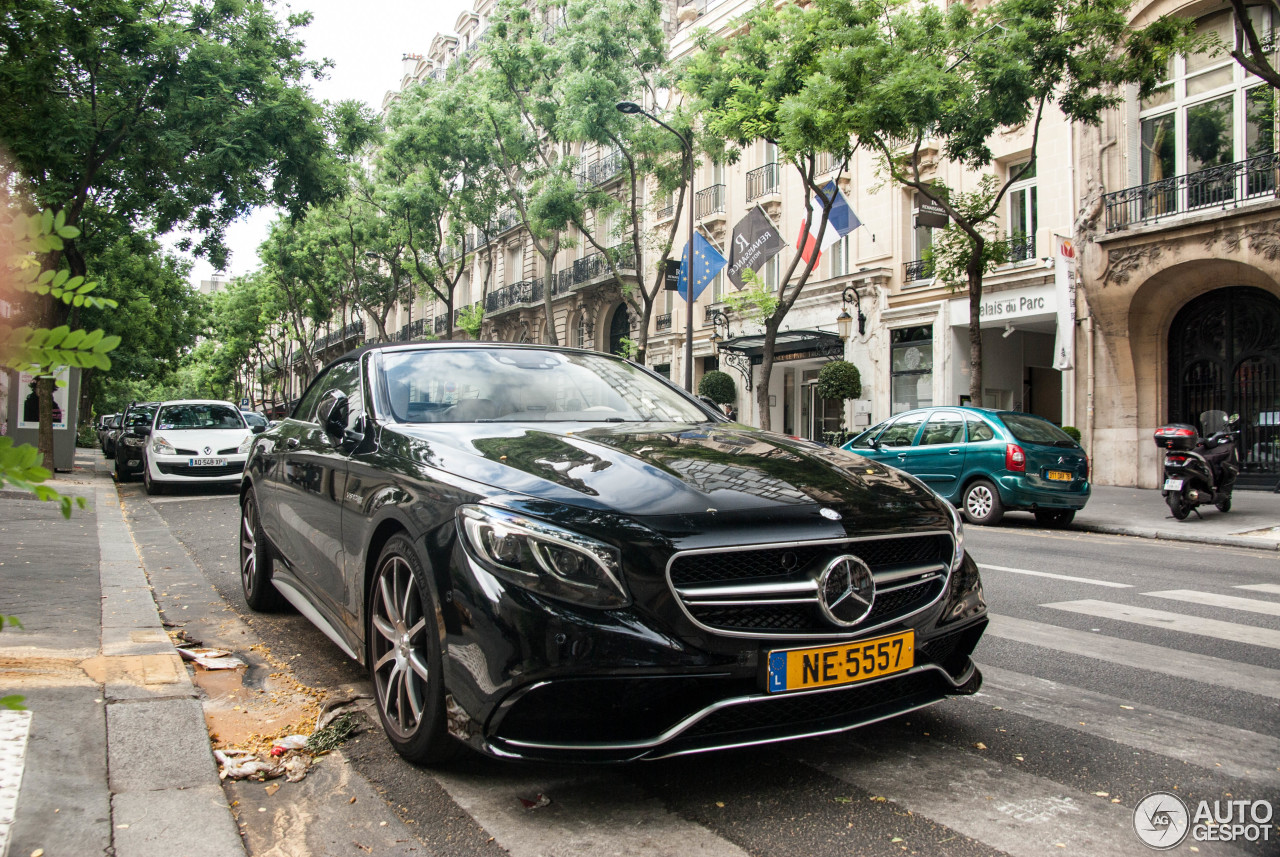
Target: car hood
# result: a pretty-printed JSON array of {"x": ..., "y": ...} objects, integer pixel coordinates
[
  {"x": 647, "y": 470},
  {"x": 195, "y": 440}
]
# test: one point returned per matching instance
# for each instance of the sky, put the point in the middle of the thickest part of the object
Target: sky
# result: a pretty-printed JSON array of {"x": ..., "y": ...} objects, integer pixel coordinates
[{"x": 365, "y": 41}]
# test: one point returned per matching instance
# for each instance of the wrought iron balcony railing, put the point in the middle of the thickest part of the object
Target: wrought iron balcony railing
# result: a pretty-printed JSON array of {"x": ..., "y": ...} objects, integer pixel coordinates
[
  {"x": 1021, "y": 247},
  {"x": 517, "y": 294},
  {"x": 920, "y": 269},
  {"x": 763, "y": 181},
  {"x": 709, "y": 201},
  {"x": 666, "y": 211},
  {"x": 416, "y": 329},
  {"x": 347, "y": 332},
  {"x": 1222, "y": 187},
  {"x": 663, "y": 322},
  {"x": 605, "y": 168}
]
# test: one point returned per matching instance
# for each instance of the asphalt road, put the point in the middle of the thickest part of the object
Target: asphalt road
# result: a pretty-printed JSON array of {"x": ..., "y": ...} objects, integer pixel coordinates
[{"x": 1115, "y": 667}]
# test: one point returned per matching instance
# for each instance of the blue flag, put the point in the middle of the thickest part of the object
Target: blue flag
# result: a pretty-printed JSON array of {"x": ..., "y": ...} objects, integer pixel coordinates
[{"x": 707, "y": 262}]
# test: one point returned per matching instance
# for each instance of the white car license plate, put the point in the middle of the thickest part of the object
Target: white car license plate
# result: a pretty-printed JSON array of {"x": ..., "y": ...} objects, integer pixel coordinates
[
  {"x": 208, "y": 462},
  {"x": 1173, "y": 485}
]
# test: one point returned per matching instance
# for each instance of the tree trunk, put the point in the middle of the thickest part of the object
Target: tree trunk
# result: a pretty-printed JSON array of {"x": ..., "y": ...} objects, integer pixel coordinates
[
  {"x": 974, "y": 273},
  {"x": 771, "y": 325},
  {"x": 547, "y": 295}
]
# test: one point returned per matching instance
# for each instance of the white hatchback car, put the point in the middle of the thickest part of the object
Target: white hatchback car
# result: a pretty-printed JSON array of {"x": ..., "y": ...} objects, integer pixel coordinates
[{"x": 196, "y": 441}]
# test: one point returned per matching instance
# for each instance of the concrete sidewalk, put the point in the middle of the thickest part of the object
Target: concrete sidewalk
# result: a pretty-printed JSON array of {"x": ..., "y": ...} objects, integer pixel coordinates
[
  {"x": 1254, "y": 519},
  {"x": 112, "y": 755}
]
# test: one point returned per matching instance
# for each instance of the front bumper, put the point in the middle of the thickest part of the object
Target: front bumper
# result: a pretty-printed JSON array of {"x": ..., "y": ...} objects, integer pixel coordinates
[
  {"x": 175, "y": 469},
  {"x": 539, "y": 680}
]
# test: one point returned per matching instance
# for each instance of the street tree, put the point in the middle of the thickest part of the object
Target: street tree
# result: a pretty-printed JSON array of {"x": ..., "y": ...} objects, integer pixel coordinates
[
  {"x": 1257, "y": 53},
  {"x": 901, "y": 76},
  {"x": 164, "y": 114},
  {"x": 744, "y": 88}
]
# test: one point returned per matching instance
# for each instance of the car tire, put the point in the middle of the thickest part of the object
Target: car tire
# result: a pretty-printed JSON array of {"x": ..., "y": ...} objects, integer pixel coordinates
[
  {"x": 122, "y": 475},
  {"x": 256, "y": 561},
  {"x": 981, "y": 504},
  {"x": 1055, "y": 518},
  {"x": 405, "y": 658},
  {"x": 153, "y": 488}
]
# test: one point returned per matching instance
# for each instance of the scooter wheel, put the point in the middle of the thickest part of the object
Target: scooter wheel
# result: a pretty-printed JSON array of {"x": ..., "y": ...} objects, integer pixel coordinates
[
  {"x": 1179, "y": 507},
  {"x": 1223, "y": 505}
]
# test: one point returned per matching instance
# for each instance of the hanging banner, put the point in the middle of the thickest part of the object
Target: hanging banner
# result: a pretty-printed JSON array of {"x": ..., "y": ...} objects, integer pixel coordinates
[
  {"x": 754, "y": 242},
  {"x": 1064, "y": 282}
]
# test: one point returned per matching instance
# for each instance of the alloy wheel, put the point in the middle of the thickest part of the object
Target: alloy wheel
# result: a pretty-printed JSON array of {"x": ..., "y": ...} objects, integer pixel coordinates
[
  {"x": 399, "y": 646},
  {"x": 248, "y": 546}
]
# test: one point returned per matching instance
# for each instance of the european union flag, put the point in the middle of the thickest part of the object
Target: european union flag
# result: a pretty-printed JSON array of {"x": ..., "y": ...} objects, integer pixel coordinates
[{"x": 707, "y": 262}]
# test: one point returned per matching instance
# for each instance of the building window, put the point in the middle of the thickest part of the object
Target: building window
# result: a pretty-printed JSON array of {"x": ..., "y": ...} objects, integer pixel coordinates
[
  {"x": 840, "y": 256},
  {"x": 1210, "y": 113},
  {"x": 921, "y": 236},
  {"x": 1022, "y": 215},
  {"x": 911, "y": 373},
  {"x": 772, "y": 272}
]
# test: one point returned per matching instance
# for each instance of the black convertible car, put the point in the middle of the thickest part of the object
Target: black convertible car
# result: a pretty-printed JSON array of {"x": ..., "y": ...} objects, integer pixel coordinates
[{"x": 549, "y": 553}]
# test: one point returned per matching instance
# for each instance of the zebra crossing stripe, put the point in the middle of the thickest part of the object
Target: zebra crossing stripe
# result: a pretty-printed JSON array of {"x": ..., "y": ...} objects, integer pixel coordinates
[
  {"x": 597, "y": 811},
  {"x": 1219, "y": 672},
  {"x": 1213, "y": 599},
  {"x": 1180, "y": 622},
  {"x": 1232, "y": 752},
  {"x": 1090, "y": 580},
  {"x": 1272, "y": 588},
  {"x": 1010, "y": 810},
  {"x": 14, "y": 727}
]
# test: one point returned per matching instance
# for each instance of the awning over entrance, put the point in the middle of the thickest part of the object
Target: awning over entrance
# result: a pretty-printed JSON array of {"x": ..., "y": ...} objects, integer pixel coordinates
[{"x": 789, "y": 345}]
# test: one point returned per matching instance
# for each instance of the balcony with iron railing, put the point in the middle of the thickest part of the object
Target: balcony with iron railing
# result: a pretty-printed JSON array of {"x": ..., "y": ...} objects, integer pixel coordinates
[
  {"x": 662, "y": 323},
  {"x": 608, "y": 166},
  {"x": 665, "y": 212},
  {"x": 347, "y": 332},
  {"x": 416, "y": 329},
  {"x": 507, "y": 218},
  {"x": 708, "y": 202},
  {"x": 515, "y": 295},
  {"x": 763, "y": 181},
  {"x": 1021, "y": 247},
  {"x": 917, "y": 270},
  {"x": 1216, "y": 188}
]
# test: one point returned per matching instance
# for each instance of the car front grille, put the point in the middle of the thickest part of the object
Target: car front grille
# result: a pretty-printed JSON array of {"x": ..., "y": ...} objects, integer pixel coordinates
[
  {"x": 772, "y": 590},
  {"x": 205, "y": 472}
]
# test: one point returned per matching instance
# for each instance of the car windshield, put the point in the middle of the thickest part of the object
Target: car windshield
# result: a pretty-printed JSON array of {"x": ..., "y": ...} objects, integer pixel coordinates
[
  {"x": 140, "y": 416},
  {"x": 1029, "y": 429},
  {"x": 254, "y": 419},
  {"x": 521, "y": 385},
  {"x": 199, "y": 416}
]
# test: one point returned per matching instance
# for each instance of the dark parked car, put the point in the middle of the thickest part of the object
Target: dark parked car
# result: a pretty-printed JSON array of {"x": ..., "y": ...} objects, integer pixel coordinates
[
  {"x": 107, "y": 434},
  {"x": 135, "y": 426},
  {"x": 985, "y": 462},
  {"x": 550, "y": 553}
]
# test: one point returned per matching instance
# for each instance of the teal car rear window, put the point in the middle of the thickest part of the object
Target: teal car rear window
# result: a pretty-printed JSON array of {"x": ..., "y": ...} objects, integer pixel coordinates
[{"x": 1029, "y": 429}]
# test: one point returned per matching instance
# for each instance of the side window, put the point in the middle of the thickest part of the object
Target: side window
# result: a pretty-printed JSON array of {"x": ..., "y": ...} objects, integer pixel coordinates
[
  {"x": 943, "y": 427},
  {"x": 902, "y": 432},
  {"x": 305, "y": 410},
  {"x": 863, "y": 441},
  {"x": 346, "y": 377},
  {"x": 979, "y": 431}
]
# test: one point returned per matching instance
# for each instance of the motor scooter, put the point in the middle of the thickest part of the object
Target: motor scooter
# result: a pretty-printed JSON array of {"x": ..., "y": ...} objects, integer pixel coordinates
[{"x": 1199, "y": 470}]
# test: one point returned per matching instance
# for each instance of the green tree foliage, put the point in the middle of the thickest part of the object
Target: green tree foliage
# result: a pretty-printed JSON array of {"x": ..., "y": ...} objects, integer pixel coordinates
[
  {"x": 901, "y": 77},
  {"x": 718, "y": 387},
  {"x": 743, "y": 87},
  {"x": 839, "y": 379},
  {"x": 1257, "y": 54},
  {"x": 24, "y": 240}
]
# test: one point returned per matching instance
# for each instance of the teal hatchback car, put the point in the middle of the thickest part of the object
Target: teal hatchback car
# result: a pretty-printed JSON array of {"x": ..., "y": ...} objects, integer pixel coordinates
[{"x": 985, "y": 462}]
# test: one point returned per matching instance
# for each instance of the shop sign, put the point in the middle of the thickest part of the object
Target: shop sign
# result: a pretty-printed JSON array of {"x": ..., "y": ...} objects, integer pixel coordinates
[
  {"x": 929, "y": 213},
  {"x": 1007, "y": 306}
]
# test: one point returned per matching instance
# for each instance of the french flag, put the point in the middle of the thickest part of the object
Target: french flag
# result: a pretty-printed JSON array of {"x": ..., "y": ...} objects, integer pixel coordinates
[{"x": 840, "y": 223}]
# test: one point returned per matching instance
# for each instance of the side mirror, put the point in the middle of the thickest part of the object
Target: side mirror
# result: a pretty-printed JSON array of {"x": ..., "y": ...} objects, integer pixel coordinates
[
  {"x": 333, "y": 414},
  {"x": 257, "y": 429},
  {"x": 142, "y": 431}
]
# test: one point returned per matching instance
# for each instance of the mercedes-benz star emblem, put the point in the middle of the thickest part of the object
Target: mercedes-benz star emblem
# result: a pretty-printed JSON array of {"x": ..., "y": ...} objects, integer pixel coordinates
[{"x": 846, "y": 591}]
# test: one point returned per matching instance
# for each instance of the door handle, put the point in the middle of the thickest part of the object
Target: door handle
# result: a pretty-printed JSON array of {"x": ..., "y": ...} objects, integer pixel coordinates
[
  {"x": 902, "y": 456},
  {"x": 953, "y": 452},
  {"x": 291, "y": 443}
]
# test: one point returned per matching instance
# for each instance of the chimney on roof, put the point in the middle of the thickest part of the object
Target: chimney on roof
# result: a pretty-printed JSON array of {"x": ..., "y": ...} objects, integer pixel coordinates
[{"x": 410, "y": 62}]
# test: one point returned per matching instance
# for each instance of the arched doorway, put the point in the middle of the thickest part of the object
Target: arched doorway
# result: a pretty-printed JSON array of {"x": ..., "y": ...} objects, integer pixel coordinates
[
  {"x": 1224, "y": 354},
  {"x": 619, "y": 329}
]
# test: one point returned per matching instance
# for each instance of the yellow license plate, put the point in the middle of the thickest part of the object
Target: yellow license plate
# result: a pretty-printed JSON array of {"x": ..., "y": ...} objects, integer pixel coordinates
[
  {"x": 803, "y": 669},
  {"x": 1061, "y": 476}
]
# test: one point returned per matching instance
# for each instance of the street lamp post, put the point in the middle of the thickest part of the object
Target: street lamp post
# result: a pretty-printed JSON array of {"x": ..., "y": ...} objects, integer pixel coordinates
[
  {"x": 845, "y": 321},
  {"x": 631, "y": 108}
]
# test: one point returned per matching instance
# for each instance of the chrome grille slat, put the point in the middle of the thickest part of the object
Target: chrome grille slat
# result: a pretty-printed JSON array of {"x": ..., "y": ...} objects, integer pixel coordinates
[{"x": 714, "y": 588}]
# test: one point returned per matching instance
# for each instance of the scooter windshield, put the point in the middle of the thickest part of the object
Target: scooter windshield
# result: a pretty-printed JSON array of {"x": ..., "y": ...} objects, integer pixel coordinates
[{"x": 1212, "y": 422}]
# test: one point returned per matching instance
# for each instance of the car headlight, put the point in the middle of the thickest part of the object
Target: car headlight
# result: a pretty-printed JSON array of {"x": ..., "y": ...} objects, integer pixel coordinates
[
  {"x": 544, "y": 558},
  {"x": 245, "y": 444},
  {"x": 134, "y": 440},
  {"x": 160, "y": 446}
]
